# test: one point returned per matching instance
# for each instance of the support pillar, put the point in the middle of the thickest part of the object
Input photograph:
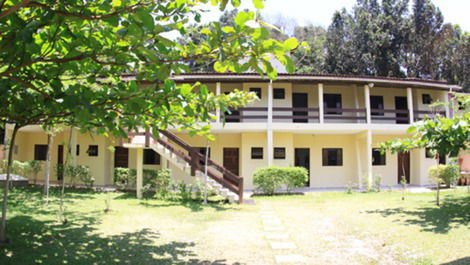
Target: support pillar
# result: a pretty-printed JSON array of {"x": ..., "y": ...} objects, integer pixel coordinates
[
  {"x": 140, "y": 172},
  {"x": 356, "y": 101},
  {"x": 217, "y": 93},
  {"x": 367, "y": 103},
  {"x": 409, "y": 96},
  {"x": 269, "y": 130},
  {"x": 359, "y": 164},
  {"x": 320, "y": 103},
  {"x": 369, "y": 157}
]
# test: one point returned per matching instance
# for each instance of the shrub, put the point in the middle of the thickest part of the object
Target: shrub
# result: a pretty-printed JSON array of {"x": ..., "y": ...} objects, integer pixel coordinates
[
  {"x": 84, "y": 174},
  {"x": 350, "y": 187},
  {"x": 272, "y": 178},
  {"x": 377, "y": 182},
  {"x": 153, "y": 180},
  {"x": 367, "y": 184},
  {"x": 444, "y": 174},
  {"x": 121, "y": 176},
  {"x": 295, "y": 177},
  {"x": 77, "y": 172}
]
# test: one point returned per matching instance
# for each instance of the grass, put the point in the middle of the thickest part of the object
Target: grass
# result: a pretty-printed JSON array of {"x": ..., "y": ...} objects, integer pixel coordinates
[{"x": 328, "y": 228}]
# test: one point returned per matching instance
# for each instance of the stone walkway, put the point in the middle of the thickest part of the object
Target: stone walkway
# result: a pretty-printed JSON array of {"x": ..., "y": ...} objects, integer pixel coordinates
[{"x": 278, "y": 238}]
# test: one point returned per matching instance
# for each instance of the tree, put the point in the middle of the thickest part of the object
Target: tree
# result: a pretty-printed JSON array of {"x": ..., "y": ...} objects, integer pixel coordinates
[
  {"x": 370, "y": 40},
  {"x": 443, "y": 136},
  {"x": 51, "y": 133},
  {"x": 427, "y": 38},
  {"x": 103, "y": 66},
  {"x": 310, "y": 58}
]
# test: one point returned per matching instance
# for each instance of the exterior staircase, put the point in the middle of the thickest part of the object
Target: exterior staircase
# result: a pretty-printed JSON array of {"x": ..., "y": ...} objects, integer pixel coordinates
[{"x": 189, "y": 160}]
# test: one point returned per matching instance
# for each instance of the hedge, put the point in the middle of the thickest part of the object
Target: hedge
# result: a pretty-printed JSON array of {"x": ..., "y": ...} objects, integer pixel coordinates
[{"x": 270, "y": 179}]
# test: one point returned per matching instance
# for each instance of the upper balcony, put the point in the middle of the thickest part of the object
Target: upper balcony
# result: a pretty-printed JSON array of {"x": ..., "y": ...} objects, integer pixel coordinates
[{"x": 309, "y": 101}]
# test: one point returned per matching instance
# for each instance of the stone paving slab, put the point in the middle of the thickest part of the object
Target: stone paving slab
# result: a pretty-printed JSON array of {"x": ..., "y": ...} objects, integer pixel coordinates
[
  {"x": 273, "y": 228},
  {"x": 283, "y": 245},
  {"x": 271, "y": 222},
  {"x": 269, "y": 216},
  {"x": 277, "y": 236},
  {"x": 290, "y": 258}
]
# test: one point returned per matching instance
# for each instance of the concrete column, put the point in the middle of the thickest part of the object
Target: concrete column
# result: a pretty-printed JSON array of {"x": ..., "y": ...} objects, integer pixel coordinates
[
  {"x": 73, "y": 145},
  {"x": 356, "y": 101},
  {"x": 320, "y": 102},
  {"x": 369, "y": 156},
  {"x": 359, "y": 164},
  {"x": 217, "y": 93},
  {"x": 269, "y": 131},
  {"x": 409, "y": 96},
  {"x": 367, "y": 103},
  {"x": 140, "y": 172},
  {"x": 447, "y": 106}
]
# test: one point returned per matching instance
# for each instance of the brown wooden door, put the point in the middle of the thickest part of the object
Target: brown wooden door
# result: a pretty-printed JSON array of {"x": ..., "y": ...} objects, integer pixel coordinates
[
  {"x": 231, "y": 160},
  {"x": 121, "y": 157},
  {"x": 300, "y": 100},
  {"x": 302, "y": 159},
  {"x": 404, "y": 166},
  {"x": 401, "y": 103},
  {"x": 60, "y": 161}
]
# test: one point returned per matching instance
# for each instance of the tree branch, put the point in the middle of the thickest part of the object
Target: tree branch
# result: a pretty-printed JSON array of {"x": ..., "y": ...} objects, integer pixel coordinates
[
  {"x": 129, "y": 9},
  {"x": 14, "y": 8},
  {"x": 29, "y": 85}
]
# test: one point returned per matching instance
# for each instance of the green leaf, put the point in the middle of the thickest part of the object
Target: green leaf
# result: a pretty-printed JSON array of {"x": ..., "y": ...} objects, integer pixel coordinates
[
  {"x": 223, "y": 4},
  {"x": 228, "y": 29},
  {"x": 147, "y": 19},
  {"x": 116, "y": 3},
  {"x": 243, "y": 17},
  {"x": 219, "y": 67},
  {"x": 259, "y": 4},
  {"x": 236, "y": 3},
  {"x": 164, "y": 71},
  {"x": 291, "y": 43}
]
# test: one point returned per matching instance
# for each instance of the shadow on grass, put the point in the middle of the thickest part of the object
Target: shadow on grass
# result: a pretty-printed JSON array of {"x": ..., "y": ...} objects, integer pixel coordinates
[
  {"x": 453, "y": 213},
  {"x": 35, "y": 242},
  {"x": 462, "y": 261},
  {"x": 194, "y": 205},
  {"x": 29, "y": 200}
]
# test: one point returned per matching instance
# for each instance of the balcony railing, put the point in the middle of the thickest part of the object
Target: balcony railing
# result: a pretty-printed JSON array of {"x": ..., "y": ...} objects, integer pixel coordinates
[
  {"x": 420, "y": 114},
  {"x": 398, "y": 116},
  {"x": 331, "y": 115}
]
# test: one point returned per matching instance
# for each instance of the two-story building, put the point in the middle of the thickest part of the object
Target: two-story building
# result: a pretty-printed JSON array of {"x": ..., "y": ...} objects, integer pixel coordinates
[{"x": 330, "y": 124}]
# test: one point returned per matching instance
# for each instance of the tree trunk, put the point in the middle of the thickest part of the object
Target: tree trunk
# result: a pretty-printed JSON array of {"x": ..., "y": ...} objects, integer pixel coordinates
[
  {"x": 3, "y": 226},
  {"x": 62, "y": 192},
  {"x": 48, "y": 166}
]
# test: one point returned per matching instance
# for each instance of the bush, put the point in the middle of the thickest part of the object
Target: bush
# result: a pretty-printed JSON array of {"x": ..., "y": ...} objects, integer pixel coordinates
[
  {"x": 272, "y": 178},
  {"x": 153, "y": 180},
  {"x": 80, "y": 172},
  {"x": 444, "y": 174},
  {"x": 84, "y": 174},
  {"x": 17, "y": 167},
  {"x": 377, "y": 182}
]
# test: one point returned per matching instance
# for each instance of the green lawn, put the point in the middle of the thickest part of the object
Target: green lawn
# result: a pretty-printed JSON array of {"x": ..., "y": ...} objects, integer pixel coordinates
[{"x": 328, "y": 228}]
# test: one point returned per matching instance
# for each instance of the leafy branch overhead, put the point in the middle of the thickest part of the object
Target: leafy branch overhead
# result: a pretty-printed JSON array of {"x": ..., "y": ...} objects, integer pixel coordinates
[{"x": 75, "y": 61}]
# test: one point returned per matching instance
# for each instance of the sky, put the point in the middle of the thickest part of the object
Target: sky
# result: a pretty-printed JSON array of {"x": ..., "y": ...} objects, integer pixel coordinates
[{"x": 320, "y": 12}]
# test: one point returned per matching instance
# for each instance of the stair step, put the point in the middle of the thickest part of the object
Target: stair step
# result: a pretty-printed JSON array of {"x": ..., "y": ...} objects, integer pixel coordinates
[
  {"x": 224, "y": 192},
  {"x": 216, "y": 185}
]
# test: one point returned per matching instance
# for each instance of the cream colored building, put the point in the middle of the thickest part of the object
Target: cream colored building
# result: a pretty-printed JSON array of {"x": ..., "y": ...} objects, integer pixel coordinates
[{"x": 330, "y": 124}]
